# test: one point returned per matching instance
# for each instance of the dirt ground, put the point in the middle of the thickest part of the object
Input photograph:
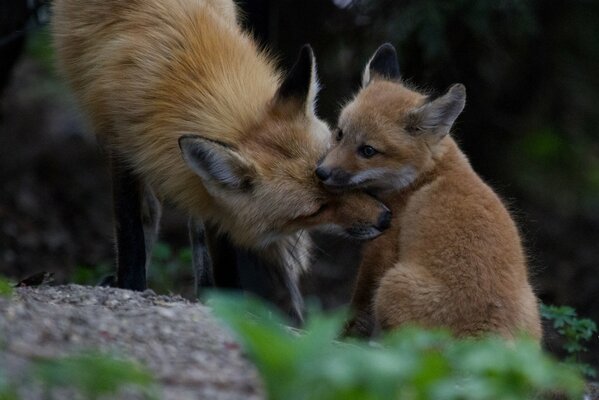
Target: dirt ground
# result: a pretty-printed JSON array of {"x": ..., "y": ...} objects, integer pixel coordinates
[{"x": 189, "y": 353}]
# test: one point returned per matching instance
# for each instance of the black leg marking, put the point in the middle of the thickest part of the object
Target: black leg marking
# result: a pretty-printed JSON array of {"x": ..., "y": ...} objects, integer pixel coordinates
[
  {"x": 129, "y": 230},
  {"x": 201, "y": 263},
  {"x": 223, "y": 259},
  {"x": 151, "y": 213}
]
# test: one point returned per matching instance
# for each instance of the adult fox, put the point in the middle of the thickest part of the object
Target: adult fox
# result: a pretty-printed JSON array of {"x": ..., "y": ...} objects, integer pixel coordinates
[
  {"x": 452, "y": 257},
  {"x": 189, "y": 109}
]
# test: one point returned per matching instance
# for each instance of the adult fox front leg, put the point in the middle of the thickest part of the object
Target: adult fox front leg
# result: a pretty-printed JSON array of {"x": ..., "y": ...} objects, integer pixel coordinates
[
  {"x": 137, "y": 214},
  {"x": 130, "y": 245}
]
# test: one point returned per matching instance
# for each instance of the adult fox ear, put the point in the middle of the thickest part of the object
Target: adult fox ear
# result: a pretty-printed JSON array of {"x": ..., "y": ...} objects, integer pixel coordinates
[
  {"x": 300, "y": 86},
  {"x": 435, "y": 118},
  {"x": 382, "y": 65},
  {"x": 216, "y": 163}
]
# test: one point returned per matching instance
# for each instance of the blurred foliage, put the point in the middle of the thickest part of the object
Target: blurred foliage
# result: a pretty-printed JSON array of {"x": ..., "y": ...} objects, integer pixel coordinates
[
  {"x": 430, "y": 25},
  {"x": 576, "y": 332},
  {"x": 88, "y": 275},
  {"x": 7, "y": 391},
  {"x": 545, "y": 160},
  {"x": 92, "y": 375},
  {"x": 407, "y": 364},
  {"x": 6, "y": 287},
  {"x": 168, "y": 268},
  {"x": 39, "y": 46}
]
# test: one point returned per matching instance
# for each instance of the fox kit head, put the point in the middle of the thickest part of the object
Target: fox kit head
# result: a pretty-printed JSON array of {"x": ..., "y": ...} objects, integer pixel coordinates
[
  {"x": 266, "y": 182},
  {"x": 388, "y": 134}
]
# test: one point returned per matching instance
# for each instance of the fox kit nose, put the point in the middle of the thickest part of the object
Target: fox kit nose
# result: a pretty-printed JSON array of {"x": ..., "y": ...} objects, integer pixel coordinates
[{"x": 323, "y": 173}]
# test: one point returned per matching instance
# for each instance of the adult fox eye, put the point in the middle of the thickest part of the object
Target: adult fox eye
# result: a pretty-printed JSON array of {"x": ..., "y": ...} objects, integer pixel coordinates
[
  {"x": 339, "y": 134},
  {"x": 367, "y": 151}
]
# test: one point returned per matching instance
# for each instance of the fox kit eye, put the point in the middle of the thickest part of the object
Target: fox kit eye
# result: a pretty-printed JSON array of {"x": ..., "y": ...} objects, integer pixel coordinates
[
  {"x": 339, "y": 134},
  {"x": 367, "y": 151}
]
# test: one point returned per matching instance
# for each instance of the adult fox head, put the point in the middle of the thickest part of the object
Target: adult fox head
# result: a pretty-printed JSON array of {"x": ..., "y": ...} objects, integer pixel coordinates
[
  {"x": 388, "y": 134},
  {"x": 266, "y": 182}
]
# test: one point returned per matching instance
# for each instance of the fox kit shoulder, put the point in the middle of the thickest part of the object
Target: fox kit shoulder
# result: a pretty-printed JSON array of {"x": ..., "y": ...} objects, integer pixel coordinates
[{"x": 457, "y": 261}]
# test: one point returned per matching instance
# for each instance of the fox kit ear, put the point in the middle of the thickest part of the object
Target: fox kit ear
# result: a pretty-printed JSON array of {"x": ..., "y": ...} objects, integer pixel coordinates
[
  {"x": 436, "y": 118},
  {"x": 216, "y": 162},
  {"x": 383, "y": 65},
  {"x": 301, "y": 83}
]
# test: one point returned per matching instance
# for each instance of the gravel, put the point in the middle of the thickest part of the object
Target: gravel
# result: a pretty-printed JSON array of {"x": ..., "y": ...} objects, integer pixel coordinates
[{"x": 189, "y": 353}]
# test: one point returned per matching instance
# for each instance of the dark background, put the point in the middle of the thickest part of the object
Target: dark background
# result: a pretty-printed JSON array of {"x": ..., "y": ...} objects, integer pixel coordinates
[{"x": 531, "y": 69}]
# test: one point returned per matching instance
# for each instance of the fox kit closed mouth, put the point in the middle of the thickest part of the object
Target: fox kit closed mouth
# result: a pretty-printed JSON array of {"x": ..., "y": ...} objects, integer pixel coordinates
[
  {"x": 190, "y": 109},
  {"x": 453, "y": 256}
]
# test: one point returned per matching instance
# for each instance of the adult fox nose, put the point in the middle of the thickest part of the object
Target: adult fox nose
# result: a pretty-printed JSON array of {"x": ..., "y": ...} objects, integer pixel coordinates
[{"x": 323, "y": 173}]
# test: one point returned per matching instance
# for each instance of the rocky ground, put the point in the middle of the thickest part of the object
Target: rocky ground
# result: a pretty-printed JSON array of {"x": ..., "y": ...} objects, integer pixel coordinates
[{"x": 189, "y": 353}]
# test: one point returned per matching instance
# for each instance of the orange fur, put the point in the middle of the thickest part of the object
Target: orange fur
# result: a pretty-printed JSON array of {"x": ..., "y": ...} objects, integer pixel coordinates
[
  {"x": 453, "y": 256},
  {"x": 148, "y": 72}
]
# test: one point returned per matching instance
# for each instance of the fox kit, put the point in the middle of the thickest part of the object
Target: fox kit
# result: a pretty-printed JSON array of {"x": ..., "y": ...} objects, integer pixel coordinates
[
  {"x": 452, "y": 257},
  {"x": 191, "y": 111}
]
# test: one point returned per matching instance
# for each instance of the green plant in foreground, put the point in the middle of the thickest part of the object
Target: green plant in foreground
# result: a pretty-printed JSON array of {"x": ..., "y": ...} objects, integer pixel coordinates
[
  {"x": 7, "y": 391},
  {"x": 575, "y": 331},
  {"x": 6, "y": 287},
  {"x": 408, "y": 364},
  {"x": 93, "y": 374}
]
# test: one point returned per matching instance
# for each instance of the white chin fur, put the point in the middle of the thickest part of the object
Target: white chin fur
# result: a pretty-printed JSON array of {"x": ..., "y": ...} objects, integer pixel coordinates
[{"x": 385, "y": 178}]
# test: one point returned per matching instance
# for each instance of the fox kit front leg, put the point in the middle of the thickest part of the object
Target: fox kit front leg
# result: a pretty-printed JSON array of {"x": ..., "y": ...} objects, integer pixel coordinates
[{"x": 377, "y": 258}]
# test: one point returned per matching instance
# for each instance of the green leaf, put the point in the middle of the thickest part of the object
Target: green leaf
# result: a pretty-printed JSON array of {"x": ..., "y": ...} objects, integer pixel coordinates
[
  {"x": 6, "y": 287},
  {"x": 575, "y": 331},
  {"x": 94, "y": 374}
]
